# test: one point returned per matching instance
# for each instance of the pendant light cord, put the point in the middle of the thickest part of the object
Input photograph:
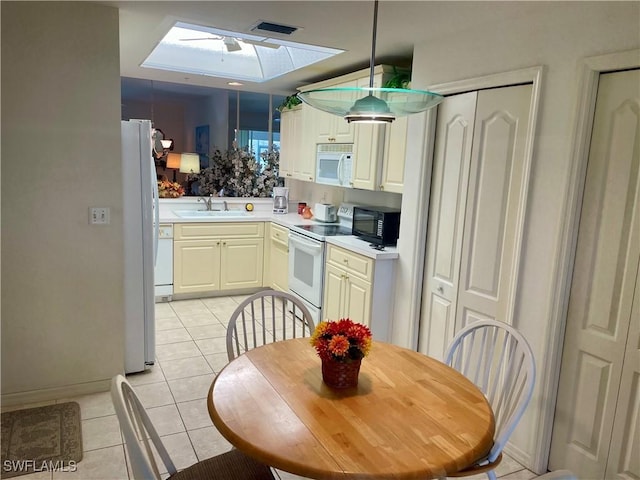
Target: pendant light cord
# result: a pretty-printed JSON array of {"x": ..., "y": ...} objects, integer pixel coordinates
[{"x": 373, "y": 43}]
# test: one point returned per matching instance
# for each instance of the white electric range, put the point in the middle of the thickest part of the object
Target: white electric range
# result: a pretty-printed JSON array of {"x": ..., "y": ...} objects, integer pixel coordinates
[{"x": 306, "y": 258}]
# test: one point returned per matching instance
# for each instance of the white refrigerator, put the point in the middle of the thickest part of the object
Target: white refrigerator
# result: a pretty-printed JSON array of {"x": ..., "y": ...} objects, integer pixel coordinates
[{"x": 140, "y": 218}]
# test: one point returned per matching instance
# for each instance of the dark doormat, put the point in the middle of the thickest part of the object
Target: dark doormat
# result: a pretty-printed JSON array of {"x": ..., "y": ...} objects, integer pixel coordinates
[{"x": 41, "y": 439}]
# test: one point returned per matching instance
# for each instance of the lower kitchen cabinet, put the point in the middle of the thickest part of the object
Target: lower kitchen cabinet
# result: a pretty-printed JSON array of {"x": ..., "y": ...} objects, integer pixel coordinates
[
  {"x": 346, "y": 295},
  {"x": 360, "y": 288},
  {"x": 279, "y": 257},
  {"x": 211, "y": 257}
]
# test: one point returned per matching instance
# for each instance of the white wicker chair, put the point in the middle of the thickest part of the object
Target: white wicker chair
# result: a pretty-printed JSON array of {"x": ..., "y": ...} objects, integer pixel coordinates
[
  {"x": 266, "y": 317},
  {"x": 499, "y": 361},
  {"x": 142, "y": 441}
]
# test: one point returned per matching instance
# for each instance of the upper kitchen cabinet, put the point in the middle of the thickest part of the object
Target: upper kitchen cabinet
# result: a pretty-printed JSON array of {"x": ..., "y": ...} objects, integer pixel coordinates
[
  {"x": 297, "y": 148},
  {"x": 328, "y": 128},
  {"x": 378, "y": 150}
]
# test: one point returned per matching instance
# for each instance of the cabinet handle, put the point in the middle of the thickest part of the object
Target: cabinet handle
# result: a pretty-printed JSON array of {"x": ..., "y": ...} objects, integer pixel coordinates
[
  {"x": 311, "y": 178},
  {"x": 381, "y": 187},
  {"x": 224, "y": 244},
  {"x": 217, "y": 243},
  {"x": 345, "y": 260}
]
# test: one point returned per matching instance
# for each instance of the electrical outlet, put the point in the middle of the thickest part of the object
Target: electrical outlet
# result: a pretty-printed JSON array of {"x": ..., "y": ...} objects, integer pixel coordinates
[{"x": 99, "y": 215}]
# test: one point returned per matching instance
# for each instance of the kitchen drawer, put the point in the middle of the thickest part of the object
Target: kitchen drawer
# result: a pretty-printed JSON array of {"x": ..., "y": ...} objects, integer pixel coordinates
[
  {"x": 194, "y": 231},
  {"x": 279, "y": 234},
  {"x": 353, "y": 262}
]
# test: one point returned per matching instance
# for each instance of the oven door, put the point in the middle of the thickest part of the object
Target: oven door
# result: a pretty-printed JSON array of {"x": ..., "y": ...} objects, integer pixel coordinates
[{"x": 306, "y": 267}]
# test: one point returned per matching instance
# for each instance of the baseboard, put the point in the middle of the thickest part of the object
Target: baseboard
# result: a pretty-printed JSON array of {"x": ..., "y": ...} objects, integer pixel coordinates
[
  {"x": 519, "y": 456},
  {"x": 48, "y": 394}
]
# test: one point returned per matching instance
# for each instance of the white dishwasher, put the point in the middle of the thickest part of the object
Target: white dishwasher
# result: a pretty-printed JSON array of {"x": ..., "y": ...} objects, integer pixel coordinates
[{"x": 164, "y": 264}]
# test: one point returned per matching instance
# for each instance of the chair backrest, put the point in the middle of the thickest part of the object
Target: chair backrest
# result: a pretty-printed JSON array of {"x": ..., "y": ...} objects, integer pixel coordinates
[
  {"x": 265, "y": 317},
  {"x": 139, "y": 433},
  {"x": 499, "y": 361}
]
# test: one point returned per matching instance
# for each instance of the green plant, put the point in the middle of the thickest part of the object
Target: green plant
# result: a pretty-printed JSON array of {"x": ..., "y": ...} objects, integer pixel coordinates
[
  {"x": 289, "y": 102},
  {"x": 400, "y": 79}
]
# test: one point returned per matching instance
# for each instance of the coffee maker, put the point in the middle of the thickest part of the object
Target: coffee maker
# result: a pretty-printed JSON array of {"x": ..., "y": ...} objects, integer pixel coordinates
[{"x": 280, "y": 200}]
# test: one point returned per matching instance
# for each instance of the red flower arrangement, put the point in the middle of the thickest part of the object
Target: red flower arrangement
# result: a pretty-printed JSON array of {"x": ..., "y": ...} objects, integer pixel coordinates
[{"x": 342, "y": 340}]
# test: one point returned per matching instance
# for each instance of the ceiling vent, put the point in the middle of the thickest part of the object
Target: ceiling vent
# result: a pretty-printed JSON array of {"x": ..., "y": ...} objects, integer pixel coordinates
[{"x": 274, "y": 28}]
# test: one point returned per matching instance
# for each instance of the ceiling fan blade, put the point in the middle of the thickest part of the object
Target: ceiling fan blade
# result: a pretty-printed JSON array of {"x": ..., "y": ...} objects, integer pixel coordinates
[
  {"x": 259, "y": 43},
  {"x": 200, "y": 38}
]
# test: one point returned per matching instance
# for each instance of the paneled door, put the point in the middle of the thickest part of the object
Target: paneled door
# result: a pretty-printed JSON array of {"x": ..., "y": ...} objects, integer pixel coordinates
[
  {"x": 597, "y": 426},
  {"x": 452, "y": 157},
  {"x": 476, "y": 204}
]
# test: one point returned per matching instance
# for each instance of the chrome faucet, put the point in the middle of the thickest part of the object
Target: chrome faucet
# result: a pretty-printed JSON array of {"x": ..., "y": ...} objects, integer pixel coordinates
[
  {"x": 226, "y": 207},
  {"x": 207, "y": 202}
]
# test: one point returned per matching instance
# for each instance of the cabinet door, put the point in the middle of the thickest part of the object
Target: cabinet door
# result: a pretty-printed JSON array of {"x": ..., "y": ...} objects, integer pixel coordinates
[
  {"x": 288, "y": 143},
  {"x": 241, "y": 263},
  {"x": 395, "y": 149},
  {"x": 334, "y": 293},
  {"x": 357, "y": 299},
  {"x": 304, "y": 163},
  {"x": 196, "y": 266},
  {"x": 330, "y": 128},
  {"x": 368, "y": 148},
  {"x": 279, "y": 266}
]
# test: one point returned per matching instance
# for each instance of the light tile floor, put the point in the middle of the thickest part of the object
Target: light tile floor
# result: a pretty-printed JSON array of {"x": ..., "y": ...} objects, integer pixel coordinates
[{"x": 191, "y": 349}]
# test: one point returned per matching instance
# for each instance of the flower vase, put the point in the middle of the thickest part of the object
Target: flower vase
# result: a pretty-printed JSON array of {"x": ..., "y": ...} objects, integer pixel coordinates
[{"x": 340, "y": 374}]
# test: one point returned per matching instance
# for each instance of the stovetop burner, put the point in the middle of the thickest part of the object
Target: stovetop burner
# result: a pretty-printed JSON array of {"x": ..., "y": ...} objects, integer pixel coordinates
[{"x": 326, "y": 230}]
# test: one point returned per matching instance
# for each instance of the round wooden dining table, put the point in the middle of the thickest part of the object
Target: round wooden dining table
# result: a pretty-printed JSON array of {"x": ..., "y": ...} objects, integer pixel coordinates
[{"x": 410, "y": 417}]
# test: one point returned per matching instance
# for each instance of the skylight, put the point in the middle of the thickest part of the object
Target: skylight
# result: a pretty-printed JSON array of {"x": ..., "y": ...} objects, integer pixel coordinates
[{"x": 238, "y": 56}]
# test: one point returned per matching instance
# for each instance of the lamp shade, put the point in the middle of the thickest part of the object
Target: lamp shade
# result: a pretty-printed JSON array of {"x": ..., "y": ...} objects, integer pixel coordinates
[
  {"x": 370, "y": 104},
  {"x": 173, "y": 160},
  {"x": 190, "y": 163}
]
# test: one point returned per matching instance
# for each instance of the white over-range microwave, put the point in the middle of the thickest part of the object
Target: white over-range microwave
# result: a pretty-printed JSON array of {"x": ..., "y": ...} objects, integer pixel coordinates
[{"x": 334, "y": 162}]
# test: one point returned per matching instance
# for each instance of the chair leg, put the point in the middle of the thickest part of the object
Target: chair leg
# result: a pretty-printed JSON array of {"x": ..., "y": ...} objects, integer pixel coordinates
[{"x": 491, "y": 474}]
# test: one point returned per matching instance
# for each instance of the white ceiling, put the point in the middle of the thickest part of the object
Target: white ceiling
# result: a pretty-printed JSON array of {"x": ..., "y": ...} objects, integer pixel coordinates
[{"x": 342, "y": 24}]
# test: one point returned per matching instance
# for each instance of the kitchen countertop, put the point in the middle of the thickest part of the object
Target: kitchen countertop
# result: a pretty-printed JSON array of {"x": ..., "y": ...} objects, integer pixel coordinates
[{"x": 349, "y": 242}]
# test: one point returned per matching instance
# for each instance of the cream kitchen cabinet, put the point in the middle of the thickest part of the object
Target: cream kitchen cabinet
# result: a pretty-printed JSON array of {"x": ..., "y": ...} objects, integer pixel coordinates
[
  {"x": 297, "y": 149},
  {"x": 328, "y": 128},
  {"x": 346, "y": 295},
  {"x": 395, "y": 150},
  {"x": 360, "y": 288},
  {"x": 378, "y": 149},
  {"x": 279, "y": 257},
  {"x": 211, "y": 257}
]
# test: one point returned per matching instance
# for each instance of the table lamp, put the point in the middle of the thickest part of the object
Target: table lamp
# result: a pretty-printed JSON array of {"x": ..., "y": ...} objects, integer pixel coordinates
[
  {"x": 190, "y": 163},
  {"x": 173, "y": 162}
]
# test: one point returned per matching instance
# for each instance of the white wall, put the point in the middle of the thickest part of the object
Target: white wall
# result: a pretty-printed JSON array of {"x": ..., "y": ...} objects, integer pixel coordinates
[
  {"x": 517, "y": 35},
  {"x": 62, "y": 288}
]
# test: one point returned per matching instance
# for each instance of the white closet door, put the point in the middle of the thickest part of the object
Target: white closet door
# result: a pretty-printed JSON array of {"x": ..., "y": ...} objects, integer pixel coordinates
[
  {"x": 595, "y": 391},
  {"x": 452, "y": 156},
  {"x": 624, "y": 460},
  {"x": 477, "y": 199},
  {"x": 488, "y": 267}
]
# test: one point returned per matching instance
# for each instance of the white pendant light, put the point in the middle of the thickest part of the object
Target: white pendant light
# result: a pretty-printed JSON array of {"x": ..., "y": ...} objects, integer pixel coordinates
[{"x": 371, "y": 105}]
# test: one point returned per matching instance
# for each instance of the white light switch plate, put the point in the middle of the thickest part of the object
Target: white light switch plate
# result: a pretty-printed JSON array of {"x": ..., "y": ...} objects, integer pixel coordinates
[{"x": 99, "y": 215}]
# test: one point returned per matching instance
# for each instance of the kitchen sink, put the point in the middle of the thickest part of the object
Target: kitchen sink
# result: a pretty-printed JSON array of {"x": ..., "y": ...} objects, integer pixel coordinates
[{"x": 210, "y": 213}]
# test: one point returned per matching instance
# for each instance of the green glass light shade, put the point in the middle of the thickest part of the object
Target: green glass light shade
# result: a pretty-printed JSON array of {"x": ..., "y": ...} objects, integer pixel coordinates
[{"x": 370, "y": 104}]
